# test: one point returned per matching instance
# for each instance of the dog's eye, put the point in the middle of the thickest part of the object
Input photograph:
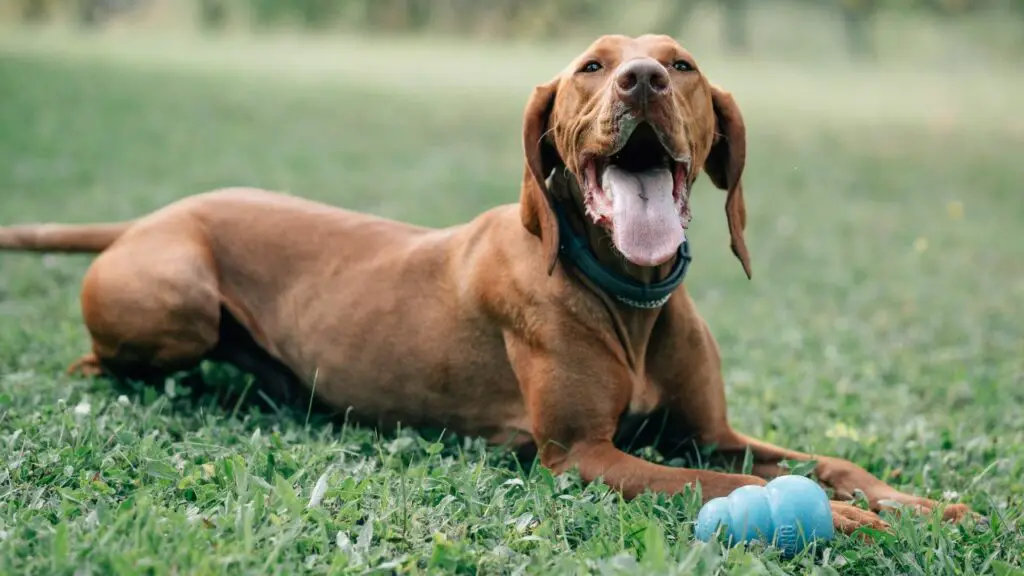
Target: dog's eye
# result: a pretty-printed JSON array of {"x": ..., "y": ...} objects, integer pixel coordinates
[
  {"x": 682, "y": 66},
  {"x": 592, "y": 66}
]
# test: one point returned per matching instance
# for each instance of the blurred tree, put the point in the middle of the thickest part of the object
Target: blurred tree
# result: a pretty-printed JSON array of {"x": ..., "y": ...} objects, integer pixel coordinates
[
  {"x": 380, "y": 14},
  {"x": 735, "y": 24},
  {"x": 550, "y": 18},
  {"x": 953, "y": 7},
  {"x": 463, "y": 14},
  {"x": 213, "y": 14},
  {"x": 539, "y": 18},
  {"x": 35, "y": 10},
  {"x": 89, "y": 13},
  {"x": 858, "y": 23},
  {"x": 268, "y": 13},
  {"x": 317, "y": 14},
  {"x": 418, "y": 13},
  {"x": 92, "y": 13}
]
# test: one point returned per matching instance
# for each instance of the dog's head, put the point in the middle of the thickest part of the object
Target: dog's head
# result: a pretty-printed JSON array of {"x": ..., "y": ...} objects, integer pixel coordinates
[{"x": 633, "y": 120}]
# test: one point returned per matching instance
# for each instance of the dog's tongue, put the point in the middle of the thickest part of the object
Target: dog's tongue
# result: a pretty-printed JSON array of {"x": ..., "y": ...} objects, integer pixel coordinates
[{"x": 646, "y": 226}]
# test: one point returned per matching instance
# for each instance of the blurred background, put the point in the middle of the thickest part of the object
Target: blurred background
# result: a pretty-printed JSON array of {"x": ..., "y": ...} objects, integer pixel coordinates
[{"x": 860, "y": 28}]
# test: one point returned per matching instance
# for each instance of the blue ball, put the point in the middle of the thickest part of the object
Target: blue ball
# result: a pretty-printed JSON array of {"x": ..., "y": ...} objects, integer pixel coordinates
[{"x": 789, "y": 512}]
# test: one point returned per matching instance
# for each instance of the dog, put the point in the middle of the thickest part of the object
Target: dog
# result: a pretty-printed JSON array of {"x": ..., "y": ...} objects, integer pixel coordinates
[{"x": 554, "y": 324}]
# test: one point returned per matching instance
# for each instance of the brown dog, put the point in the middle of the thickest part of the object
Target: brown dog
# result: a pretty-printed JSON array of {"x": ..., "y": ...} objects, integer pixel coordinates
[{"x": 552, "y": 323}]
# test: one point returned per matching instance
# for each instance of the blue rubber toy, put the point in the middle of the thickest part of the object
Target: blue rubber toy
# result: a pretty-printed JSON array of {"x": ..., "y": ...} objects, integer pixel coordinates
[{"x": 789, "y": 512}]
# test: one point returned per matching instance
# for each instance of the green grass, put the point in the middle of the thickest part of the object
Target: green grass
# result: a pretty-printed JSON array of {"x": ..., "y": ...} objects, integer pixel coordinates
[{"x": 881, "y": 325}]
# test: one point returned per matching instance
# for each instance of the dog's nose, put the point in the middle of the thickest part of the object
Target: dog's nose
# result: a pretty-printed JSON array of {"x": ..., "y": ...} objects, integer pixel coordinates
[{"x": 637, "y": 81}]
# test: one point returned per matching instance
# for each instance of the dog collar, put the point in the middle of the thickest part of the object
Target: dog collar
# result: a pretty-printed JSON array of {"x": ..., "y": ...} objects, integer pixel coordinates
[{"x": 576, "y": 251}]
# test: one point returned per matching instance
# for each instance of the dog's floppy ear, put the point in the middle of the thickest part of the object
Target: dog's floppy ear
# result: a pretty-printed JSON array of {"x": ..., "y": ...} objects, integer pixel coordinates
[
  {"x": 541, "y": 158},
  {"x": 724, "y": 166}
]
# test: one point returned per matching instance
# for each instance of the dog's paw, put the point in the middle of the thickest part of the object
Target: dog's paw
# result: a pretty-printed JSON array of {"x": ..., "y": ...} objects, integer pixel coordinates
[
  {"x": 951, "y": 512},
  {"x": 847, "y": 518},
  {"x": 87, "y": 366}
]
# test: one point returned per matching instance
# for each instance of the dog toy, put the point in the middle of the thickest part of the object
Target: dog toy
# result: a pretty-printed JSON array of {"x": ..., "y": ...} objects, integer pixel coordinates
[{"x": 789, "y": 512}]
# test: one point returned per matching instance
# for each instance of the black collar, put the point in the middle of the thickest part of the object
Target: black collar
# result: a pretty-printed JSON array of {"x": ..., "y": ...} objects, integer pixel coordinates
[{"x": 575, "y": 250}]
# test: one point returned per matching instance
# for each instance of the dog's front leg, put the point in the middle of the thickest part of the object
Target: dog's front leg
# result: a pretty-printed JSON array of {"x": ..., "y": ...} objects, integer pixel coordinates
[
  {"x": 573, "y": 427},
  {"x": 573, "y": 417},
  {"x": 686, "y": 363},
  {"x": 598, "y": 459}
]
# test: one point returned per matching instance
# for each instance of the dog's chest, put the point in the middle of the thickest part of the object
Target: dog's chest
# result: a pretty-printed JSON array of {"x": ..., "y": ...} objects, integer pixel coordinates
[{"x": 645, "y": 396}]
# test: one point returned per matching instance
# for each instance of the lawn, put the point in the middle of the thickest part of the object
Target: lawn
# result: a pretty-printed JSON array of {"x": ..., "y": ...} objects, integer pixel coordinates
[{"x": 882, "y": 323}]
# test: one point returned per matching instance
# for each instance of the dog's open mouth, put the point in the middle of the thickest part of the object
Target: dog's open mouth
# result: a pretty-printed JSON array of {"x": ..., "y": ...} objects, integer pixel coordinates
[{"x": 639, "y": 193}]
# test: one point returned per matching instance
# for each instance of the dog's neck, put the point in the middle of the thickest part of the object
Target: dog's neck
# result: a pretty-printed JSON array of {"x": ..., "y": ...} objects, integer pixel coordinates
[{"x": 633, "y": 321}]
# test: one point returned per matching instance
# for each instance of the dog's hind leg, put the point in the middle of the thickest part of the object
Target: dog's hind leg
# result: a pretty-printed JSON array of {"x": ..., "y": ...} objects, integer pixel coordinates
[
  {"x": 88, "y": 365},
  {"x": 151, "y": 305}
]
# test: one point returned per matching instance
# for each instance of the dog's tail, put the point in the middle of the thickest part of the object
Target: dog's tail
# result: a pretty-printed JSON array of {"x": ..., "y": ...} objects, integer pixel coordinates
[{"x": 87, "y": 238}]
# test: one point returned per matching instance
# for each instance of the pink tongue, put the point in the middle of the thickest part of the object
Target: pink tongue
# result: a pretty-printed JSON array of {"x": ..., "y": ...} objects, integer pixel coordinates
[{"x": 646, "y": 226}]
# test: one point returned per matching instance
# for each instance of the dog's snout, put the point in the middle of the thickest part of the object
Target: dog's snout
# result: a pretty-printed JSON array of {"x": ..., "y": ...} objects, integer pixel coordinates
[{"x": 640, "y": 80}]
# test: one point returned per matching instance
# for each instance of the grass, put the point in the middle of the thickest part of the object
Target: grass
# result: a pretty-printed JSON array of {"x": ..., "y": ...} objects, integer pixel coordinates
[{"x": 882, "y": 324}]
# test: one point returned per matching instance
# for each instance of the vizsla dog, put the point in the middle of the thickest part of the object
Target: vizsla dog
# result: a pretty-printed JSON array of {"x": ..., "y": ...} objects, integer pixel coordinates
[{"x": 557, "y": 323}]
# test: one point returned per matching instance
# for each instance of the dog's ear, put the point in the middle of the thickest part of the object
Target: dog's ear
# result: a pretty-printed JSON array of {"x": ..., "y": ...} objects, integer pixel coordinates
[
  {"x": 541, "y": 158},
  {"x": 724, "y": 166}
]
